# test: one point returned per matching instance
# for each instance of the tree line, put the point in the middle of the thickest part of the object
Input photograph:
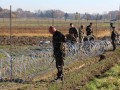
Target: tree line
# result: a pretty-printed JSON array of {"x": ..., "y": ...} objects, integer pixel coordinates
[{"x": 20, "y": 13}]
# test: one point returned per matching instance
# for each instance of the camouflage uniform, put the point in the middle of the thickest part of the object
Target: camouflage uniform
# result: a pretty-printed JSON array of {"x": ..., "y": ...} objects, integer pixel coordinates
[
  {"x": 88, "y": 30},
  {"x": 58, "y": 39},
  {"x": 70, "y": 38},
  {"x": 113, "y": 37},
  {"x": 80, "y": 34},
  {"x": 73, "y": 31}
]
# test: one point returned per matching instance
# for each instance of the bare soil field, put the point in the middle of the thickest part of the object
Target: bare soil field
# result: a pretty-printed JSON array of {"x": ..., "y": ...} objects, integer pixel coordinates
[
  {"x": 22, "y": 40},
  {"x": 32, "y": 36}
]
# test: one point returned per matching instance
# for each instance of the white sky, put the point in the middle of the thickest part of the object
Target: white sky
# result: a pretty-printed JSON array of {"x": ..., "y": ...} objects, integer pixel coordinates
[{"x": 70, "y": 6}]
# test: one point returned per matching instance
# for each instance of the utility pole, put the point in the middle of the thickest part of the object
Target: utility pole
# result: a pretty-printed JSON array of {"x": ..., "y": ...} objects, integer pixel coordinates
[
  {"x": 119, "y": 18},
  {"x": 11, "y": 68},
  {"x": 76, "y": 18},
  {"x": 79, "y": 20},
  {"x": 96, "y": 23},
  {"x": 53, "y": 18}
]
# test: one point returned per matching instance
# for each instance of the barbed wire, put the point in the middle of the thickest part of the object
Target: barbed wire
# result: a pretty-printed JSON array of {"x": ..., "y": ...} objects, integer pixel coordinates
[{"x": 39, "y": 60}]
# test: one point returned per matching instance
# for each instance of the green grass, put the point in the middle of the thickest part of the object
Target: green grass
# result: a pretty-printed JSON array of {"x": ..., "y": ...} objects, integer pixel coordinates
[
  {"x": 2, "y": 56},
  {"x": 108, "y": 81},
  {"x": 4, "y": 46},
  {"x": 79, "y": 77},
  {"x": 46, "y": 22}
]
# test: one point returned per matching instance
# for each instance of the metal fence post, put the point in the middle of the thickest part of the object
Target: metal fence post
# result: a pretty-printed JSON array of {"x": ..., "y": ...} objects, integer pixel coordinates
[{"x": 11, "y": 67}]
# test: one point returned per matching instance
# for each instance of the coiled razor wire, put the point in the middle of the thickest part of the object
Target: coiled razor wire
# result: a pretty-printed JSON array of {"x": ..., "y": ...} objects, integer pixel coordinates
[
  {"x": 36, "y": 61},
  {"x": 4, "y": 64}
]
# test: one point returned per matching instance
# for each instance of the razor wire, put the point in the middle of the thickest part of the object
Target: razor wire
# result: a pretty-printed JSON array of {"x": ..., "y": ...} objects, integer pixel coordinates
[
  {"x": 28, "y": 63},
  {"x": 4, "y": 64}
]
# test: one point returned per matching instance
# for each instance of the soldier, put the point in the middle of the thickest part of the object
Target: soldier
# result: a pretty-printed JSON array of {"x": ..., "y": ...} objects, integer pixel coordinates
[
  {"x": 80, "y": 33},
  {"x": 113, "y": 37},
  {"x": 58, "y": 39},
  {"x": 73, "y": 31},
  {"x": 111, "y": 25},
  {"x": 89, "y": 30}
]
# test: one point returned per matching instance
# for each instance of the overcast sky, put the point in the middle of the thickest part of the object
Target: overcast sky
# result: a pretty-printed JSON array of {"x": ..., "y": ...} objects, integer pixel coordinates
[{"x": 70, "y": 6}]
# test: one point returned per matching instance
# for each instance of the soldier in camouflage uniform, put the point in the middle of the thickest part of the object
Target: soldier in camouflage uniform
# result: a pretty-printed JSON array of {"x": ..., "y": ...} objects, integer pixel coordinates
[
  {"x": 73, "y": 33},
  {"x": 113, "y": 37},
  {"x": 89, "y": 30},
  {"x": 81, "y": 33},
  {"x": 58, "y": 51}
]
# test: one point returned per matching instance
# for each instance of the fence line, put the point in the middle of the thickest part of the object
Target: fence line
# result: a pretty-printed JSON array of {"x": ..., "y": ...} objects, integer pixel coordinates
[{"x": 38, "y": 60}]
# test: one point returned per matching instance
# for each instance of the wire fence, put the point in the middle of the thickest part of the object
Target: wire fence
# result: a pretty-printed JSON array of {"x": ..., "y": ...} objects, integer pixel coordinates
[{"x": 30, "y": 62}]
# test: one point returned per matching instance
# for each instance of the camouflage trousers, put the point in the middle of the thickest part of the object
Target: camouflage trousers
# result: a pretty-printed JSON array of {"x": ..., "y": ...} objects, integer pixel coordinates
[
  {"x": 59, "y": 65},
  {"x": 114, "y": 44}
]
